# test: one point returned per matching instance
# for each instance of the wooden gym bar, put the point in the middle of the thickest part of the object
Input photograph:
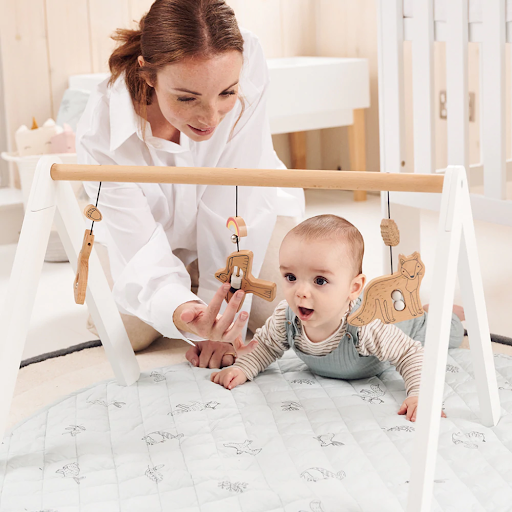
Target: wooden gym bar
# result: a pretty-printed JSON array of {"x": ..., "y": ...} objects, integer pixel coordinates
[{"x": 341, "y": 180}]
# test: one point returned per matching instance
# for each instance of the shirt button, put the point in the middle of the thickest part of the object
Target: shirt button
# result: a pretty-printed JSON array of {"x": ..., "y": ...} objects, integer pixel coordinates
[
  {"x": 289, "y": 323},
  {"x": 349, "y": 335}
]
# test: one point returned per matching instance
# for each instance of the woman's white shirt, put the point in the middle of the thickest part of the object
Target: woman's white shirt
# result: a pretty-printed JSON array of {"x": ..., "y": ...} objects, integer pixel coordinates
[{"x": 153, "y": 230}]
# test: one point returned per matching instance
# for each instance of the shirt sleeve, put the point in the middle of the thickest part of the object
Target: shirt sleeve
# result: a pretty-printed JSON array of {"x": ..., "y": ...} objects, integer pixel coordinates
[
  {"x": 272, "y": 343},
  {"x": 150, "y": 282},
  {"x": 389, "y": 343}
]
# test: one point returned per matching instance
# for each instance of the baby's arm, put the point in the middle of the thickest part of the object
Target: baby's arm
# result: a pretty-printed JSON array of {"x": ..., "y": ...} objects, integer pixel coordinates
[
  {"x": 389, "y": 343},
  {"x": 271, "y": 344}
]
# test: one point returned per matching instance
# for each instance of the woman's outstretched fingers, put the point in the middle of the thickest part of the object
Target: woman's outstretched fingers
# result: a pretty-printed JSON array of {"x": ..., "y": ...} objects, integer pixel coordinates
[
  {"x": 223, "y": 324},
  {"x": 210, "y": 315}
]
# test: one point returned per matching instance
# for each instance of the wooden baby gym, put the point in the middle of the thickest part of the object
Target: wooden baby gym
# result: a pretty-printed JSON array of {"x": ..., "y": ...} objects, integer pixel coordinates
[{"x": 52, "y": 200}]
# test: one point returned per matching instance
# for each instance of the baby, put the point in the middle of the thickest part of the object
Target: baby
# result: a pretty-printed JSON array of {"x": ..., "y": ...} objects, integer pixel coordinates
[{"x": 321, "y": 265}]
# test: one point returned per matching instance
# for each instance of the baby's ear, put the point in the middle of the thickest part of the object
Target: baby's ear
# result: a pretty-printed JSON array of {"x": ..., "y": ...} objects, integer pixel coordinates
[{"x": 357, "y": 286}]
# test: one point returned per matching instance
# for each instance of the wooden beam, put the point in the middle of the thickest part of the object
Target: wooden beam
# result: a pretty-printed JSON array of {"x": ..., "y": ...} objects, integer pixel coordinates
[{"x": 341, "y": 180}]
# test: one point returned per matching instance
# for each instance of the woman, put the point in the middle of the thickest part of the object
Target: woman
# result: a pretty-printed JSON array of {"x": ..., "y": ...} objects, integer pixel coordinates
[{"x": 187, "y": 89}]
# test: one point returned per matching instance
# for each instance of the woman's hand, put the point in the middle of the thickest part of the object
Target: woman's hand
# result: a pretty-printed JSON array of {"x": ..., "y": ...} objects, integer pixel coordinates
[
  {"x": 206, "y": 322},
  {"x": 215, "y": 354}
]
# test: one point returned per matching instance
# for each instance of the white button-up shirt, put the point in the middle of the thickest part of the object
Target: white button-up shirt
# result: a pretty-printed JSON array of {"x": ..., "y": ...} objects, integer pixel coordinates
[{"x": 153, "y": 231}]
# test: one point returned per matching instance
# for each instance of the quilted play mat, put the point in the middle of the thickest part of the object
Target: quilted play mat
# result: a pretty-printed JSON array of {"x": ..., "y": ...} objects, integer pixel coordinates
[{"x": 289, "y": 441}]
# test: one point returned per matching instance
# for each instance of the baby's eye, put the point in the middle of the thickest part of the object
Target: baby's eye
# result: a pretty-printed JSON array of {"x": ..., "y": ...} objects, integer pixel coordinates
[
  {"x": 321, "y": 281},
  {"x": 290, "y": 278}
]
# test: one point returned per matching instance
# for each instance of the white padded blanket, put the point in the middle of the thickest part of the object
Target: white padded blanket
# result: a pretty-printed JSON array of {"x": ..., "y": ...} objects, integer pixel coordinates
[
  {"x": 474, "y": 12},
  {"x": 289, "y": 441}
]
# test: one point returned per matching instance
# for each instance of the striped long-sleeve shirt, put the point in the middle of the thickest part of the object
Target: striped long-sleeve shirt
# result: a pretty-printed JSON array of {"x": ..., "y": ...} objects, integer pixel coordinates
[{"x": 385, "y": 341}]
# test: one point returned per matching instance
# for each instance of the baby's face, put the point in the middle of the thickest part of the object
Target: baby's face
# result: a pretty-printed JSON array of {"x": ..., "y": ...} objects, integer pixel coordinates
[{"x": 319, "y": 281}]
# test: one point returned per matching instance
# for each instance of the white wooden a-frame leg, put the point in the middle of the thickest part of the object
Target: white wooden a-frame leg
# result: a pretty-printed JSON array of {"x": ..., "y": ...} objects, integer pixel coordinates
[
  {"x": 455, "y": 213},
  {"x": 70, "y": 225},
  {"x": 21, "y": 292},
  {"x": 473, "y": 299}
]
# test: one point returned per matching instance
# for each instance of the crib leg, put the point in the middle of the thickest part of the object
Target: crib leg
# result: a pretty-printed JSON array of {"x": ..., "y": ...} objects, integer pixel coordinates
[
  {"x": 70, "y": 224},
  {"x": 455, "y": 216},
  {"x": 21, "y": 292}
]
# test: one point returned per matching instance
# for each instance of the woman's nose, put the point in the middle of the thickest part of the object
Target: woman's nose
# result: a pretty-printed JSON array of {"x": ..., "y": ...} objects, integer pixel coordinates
[{"x": 209, "y": 117}]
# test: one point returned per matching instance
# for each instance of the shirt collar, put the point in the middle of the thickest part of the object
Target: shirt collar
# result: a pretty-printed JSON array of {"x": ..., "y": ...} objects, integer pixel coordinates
[
  {"x": 124, "y": 122},
  {"x": 123, "y": 119}
]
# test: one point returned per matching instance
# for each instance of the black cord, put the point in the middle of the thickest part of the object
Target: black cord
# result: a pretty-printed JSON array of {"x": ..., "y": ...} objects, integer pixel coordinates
[
  {"x": 236, "y": 215},
  {"x": 97, "y": 199},
  {"x": 390, "y": 248}
]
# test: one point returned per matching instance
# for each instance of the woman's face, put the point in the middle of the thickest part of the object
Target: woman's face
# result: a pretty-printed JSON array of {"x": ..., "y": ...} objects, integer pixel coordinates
[{"x": 195, "y": 94}]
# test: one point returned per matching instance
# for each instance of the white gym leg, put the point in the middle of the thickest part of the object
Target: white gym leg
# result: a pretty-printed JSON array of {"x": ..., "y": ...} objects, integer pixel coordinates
[
  {"x": 424, "y": 453},
  {"x": 452, "y": 248},
  {"x": 473, "y": 299},
  {"x": 21, "y": 292},
  {"x": 71, "y": 224}
]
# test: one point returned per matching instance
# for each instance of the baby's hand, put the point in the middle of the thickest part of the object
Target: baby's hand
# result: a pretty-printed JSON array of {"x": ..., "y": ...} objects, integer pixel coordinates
[
  {"x": 229, "y": 377},
  {"x": 410, "y": 407}
]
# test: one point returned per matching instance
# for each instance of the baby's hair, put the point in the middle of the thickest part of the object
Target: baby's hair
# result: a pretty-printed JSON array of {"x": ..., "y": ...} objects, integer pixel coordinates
[{"x": 334, "y": 228}]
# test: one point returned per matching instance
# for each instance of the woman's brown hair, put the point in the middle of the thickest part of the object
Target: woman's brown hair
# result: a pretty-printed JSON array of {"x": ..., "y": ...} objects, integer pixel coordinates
[{"x": 171, "y": 31}]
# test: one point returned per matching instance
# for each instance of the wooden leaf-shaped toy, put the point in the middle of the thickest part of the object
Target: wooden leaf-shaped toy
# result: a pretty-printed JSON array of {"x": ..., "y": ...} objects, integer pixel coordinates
[
  {"x": 390, "y": 233},
  {"x": 92, "y": 213}
]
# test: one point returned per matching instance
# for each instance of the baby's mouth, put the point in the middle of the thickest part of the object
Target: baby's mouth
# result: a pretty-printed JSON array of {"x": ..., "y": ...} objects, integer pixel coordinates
[{"x": 305, "y": 313}]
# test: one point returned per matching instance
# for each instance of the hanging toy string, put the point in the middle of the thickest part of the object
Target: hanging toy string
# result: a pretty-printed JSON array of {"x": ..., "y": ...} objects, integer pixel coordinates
[
  {"x": 390, "y": 248},
  {"x": 236, "y": 215},
  {"x": 97, "y": 199}
]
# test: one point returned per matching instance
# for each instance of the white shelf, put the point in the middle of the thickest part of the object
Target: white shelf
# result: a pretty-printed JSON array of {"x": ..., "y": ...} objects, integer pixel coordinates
[{"x": 10, "y": 197}]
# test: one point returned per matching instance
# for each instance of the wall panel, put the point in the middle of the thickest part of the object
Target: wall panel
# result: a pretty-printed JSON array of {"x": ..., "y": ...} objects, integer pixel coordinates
[{"x": 69, "y": 44}]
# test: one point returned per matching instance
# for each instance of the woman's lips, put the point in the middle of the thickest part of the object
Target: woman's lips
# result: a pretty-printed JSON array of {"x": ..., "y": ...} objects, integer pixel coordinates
[
  {"x": 305, "y": 313},
  {"x": 203, "y": 132}
]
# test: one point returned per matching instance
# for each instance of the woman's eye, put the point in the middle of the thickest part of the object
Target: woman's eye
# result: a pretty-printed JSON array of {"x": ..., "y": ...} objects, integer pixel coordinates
[
  {"x": 186, "y": 99},
  {"x": 227, "y": 93},
  {"x": 320, "y": 281},
  {"x": 290, "y": 278}
]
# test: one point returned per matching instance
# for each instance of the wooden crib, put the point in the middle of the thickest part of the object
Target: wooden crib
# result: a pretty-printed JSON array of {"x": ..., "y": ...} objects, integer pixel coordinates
[{"x": 457, "y": 22}]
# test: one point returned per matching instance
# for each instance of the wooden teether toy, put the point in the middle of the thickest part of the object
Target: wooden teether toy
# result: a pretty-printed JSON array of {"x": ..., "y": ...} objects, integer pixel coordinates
[
  {"x": 389, "y": 232},
  {"x": 82, "y": 266},
  {"x": 92, "y": 213},
  {"x": 238, "y": 270}
]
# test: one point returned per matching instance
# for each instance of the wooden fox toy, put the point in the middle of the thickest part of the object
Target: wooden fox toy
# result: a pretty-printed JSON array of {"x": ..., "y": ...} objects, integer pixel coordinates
[{"x": 393, "y": 298}]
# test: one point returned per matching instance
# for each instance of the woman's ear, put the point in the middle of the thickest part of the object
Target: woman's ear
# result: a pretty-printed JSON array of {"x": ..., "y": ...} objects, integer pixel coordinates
[
  {"x": 356, "y": 287},
  {"x": 140, "y": 60}
]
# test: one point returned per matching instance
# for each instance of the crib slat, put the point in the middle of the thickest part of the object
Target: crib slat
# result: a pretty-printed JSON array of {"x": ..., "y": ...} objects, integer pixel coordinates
[
  {"x": 391, "y": 85},
  {"x": 423, "y": 87},
  {"x": 457, "y": 83},
  {"x": 493, "y": 105}
]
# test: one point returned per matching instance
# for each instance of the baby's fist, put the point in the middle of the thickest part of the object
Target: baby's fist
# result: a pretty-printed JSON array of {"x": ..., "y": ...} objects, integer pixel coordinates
[{"x": 229, "y": 377}]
